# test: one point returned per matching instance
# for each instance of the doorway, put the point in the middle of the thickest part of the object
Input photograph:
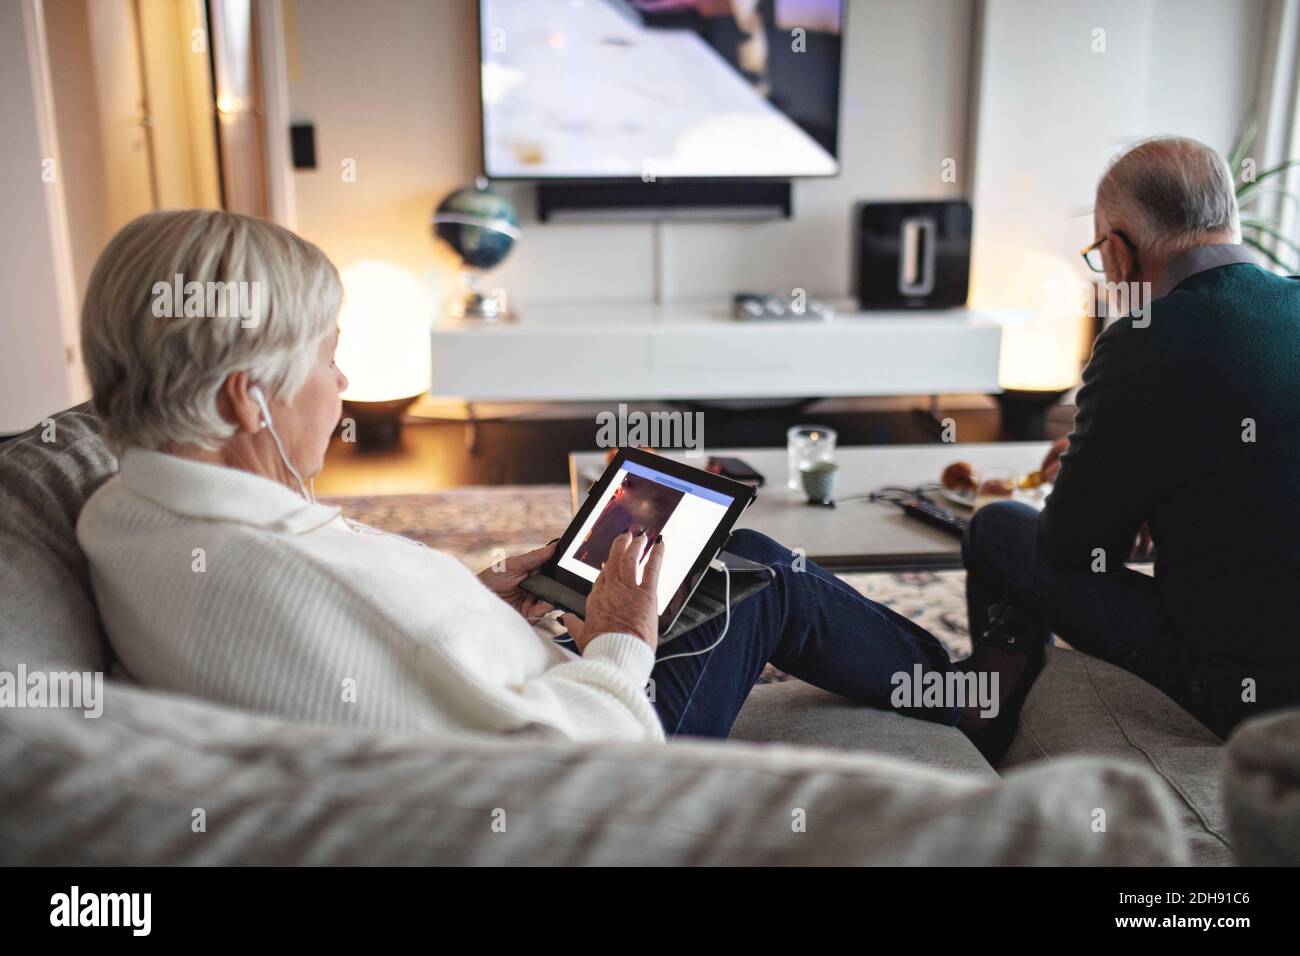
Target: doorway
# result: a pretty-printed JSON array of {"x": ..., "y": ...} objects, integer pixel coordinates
[{"x": 156, "y": 106}]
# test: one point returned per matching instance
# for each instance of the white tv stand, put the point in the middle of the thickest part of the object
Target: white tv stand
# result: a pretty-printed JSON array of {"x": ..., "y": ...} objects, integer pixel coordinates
[{"x": 621, "y": 351}]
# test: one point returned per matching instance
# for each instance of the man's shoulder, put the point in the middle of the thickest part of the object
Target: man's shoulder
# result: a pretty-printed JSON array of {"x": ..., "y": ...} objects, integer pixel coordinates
[
  {"x": 1206, "y": 310},
  {"x": 1240, "y": 290},
  {"x": 1176, "y": 344}
]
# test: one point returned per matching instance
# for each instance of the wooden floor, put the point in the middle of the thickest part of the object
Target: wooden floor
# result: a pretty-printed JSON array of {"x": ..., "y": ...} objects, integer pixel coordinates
[{"x": 433, "y": 456}]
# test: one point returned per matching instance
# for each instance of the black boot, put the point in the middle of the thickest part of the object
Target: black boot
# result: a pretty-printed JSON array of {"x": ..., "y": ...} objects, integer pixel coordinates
[{"x": 1013, "y": 648}]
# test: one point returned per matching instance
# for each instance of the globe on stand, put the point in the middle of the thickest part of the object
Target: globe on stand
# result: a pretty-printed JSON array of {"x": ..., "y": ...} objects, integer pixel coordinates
[{"x": 481, "y": 227}]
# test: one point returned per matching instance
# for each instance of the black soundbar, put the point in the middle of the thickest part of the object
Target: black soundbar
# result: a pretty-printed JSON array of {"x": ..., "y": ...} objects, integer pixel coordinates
[{"x": 664, "y": 199}]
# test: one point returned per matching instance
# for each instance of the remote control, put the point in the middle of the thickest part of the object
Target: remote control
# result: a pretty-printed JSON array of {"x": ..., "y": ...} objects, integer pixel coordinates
[
  {"x": 936, "y": 517},
  {"x": 754, "y": 306}
]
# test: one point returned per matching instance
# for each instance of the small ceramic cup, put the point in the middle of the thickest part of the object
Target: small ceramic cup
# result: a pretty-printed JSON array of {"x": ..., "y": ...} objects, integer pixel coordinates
[{"x": 818, "y": 479}]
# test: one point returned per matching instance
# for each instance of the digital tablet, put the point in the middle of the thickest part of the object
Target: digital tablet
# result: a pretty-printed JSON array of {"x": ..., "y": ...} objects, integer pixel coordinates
[{"x": 693, "y": 509}]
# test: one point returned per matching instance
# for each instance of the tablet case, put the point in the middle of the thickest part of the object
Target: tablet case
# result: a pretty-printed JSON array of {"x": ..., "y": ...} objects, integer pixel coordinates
[{"x": 747, "y": 577}]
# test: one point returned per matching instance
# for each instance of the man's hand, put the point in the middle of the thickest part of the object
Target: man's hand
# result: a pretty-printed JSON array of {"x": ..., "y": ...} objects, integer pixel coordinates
[
  {"x": 505, "y": 583},
  {"x": 617, "y": 602},
  {"x": 1051, "y": 465}
]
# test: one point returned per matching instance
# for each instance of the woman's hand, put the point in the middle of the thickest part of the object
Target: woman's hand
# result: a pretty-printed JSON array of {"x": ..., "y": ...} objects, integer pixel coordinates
[
  {"x": 617, "y": 602},
  {"x": 505, "y": 583}
]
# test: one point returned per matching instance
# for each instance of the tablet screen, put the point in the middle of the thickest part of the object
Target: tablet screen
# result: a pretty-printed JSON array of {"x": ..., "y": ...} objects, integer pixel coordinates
[{"x": 686, "y": 514}]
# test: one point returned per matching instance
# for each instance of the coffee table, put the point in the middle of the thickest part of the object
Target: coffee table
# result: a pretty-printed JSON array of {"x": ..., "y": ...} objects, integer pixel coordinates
[{"x": 857, "y": 534}]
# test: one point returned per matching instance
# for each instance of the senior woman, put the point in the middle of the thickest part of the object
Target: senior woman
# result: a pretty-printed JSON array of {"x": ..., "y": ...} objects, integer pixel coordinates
[{"x": 217, "y": 574}]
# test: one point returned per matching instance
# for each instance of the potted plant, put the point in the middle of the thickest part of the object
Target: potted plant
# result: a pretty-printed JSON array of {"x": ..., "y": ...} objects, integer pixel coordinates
[{"x": 1262, "y": 234}]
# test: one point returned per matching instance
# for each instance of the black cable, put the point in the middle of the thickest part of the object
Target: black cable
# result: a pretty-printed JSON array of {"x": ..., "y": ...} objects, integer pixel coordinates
[{"x": 896, "y": 495}]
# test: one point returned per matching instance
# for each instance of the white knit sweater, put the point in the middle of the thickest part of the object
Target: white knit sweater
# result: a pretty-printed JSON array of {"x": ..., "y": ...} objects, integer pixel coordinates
[{"x": 222, "y": 584}]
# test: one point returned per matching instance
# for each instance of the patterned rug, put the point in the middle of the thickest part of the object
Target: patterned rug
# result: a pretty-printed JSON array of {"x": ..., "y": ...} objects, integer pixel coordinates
[{"x": 473, "y": 523}]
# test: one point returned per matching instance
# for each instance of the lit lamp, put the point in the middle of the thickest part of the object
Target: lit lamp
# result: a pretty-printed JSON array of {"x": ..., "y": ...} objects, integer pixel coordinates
[
  {"x": 1041, "y": 338},
  {"x": 383, "y": 349}
]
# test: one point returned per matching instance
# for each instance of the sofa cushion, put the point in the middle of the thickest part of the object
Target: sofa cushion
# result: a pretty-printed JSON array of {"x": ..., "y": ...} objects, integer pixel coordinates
[
  {"x": 162, "y": 779},
  {"x": 793, "y": 712},
  {"x": 1084, "y": 706},
  {"x": 1261, "y": 790},
  {"x": 46, "y": 475}
]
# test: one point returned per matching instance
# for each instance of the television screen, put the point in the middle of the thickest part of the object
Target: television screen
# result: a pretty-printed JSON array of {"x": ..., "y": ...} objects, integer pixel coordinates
[{"x": 596, "y": 89}]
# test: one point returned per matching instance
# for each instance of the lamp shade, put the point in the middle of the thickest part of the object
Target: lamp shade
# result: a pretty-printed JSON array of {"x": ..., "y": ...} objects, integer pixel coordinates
[
  {"x": 1046, "y": 324},
  {"x": 384, "y": 332}
]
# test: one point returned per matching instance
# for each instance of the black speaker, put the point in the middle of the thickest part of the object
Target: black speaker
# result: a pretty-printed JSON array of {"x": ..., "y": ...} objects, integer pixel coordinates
[{"x": 912, "y": 255}]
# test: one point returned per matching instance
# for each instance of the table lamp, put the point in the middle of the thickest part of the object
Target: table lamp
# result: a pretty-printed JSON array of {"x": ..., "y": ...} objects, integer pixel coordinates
[
  {"x": 1043, "y": 331},
  {"x": 383, "y": 349}
]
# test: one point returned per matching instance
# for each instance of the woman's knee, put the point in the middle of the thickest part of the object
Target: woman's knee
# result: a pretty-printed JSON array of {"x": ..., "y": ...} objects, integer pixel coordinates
[{"x": 757, "y": 546}]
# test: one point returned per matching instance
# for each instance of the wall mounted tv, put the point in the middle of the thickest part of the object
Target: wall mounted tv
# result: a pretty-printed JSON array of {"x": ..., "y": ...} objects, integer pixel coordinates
[{"x": 599, "y": 91}]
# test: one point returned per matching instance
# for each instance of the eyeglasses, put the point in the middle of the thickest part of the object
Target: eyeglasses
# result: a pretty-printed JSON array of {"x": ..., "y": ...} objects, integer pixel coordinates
[{"x": 1092, "y": 254}]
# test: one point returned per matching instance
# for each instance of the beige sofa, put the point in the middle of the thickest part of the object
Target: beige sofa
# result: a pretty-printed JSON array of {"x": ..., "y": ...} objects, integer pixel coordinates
[{"x": 1104, "y": 771}]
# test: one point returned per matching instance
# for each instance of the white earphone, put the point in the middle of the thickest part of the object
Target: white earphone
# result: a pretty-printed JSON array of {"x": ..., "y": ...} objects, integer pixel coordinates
[{"x": 256, "y": 394}]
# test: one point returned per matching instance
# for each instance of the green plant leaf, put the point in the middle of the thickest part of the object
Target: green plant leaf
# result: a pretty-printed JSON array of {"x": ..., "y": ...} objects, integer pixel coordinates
[
  {"x": 1268, "y": 230},
  {"x": 1267, "y": 253},
  {"x": 1242, "y": 142},
  {"x": 1245, "y": 190},
  {"x": 1254, "y": 198}
]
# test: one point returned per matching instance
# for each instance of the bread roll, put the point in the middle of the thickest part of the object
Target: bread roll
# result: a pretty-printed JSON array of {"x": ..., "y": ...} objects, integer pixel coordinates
[{"x": 960, "y": 476}]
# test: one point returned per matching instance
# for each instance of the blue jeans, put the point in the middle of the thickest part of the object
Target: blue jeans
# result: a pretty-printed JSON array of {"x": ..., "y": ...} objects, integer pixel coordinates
[
  {"x": 808, "y": 623},
  {"x": 1116, "y": 616}
]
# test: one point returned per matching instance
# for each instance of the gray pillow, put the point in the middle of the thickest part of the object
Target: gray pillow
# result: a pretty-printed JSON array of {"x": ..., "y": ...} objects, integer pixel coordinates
[
  {"x": 50, "y": 622},
  {"x": 1261, "y": 790}
]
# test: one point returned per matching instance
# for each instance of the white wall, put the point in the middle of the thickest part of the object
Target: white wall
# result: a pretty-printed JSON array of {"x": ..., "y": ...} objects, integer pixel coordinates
[
  {"x": 393, "y": 85},
  {"x": 35, "y": 270},
  {"x": 1052, "y": 111},
  {"x": 1205, "y": 59}
]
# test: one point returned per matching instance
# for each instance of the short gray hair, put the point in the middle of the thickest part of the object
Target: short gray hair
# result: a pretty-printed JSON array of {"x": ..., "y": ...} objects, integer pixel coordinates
[
  {"x": 1177, "y": 189},
  {"x": 155, "y": 373}
]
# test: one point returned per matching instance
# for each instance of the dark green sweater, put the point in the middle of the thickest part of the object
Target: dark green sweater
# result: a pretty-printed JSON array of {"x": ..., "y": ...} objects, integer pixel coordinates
[{"x": 1158, "y": 437}]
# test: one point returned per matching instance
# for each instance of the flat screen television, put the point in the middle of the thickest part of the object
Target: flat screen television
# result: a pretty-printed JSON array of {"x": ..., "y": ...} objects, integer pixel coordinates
[{"x": 648, "y": 90}]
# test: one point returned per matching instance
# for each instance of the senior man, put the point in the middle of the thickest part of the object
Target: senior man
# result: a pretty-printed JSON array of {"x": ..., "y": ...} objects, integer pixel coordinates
[{"x": 1187, "y": 429}]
